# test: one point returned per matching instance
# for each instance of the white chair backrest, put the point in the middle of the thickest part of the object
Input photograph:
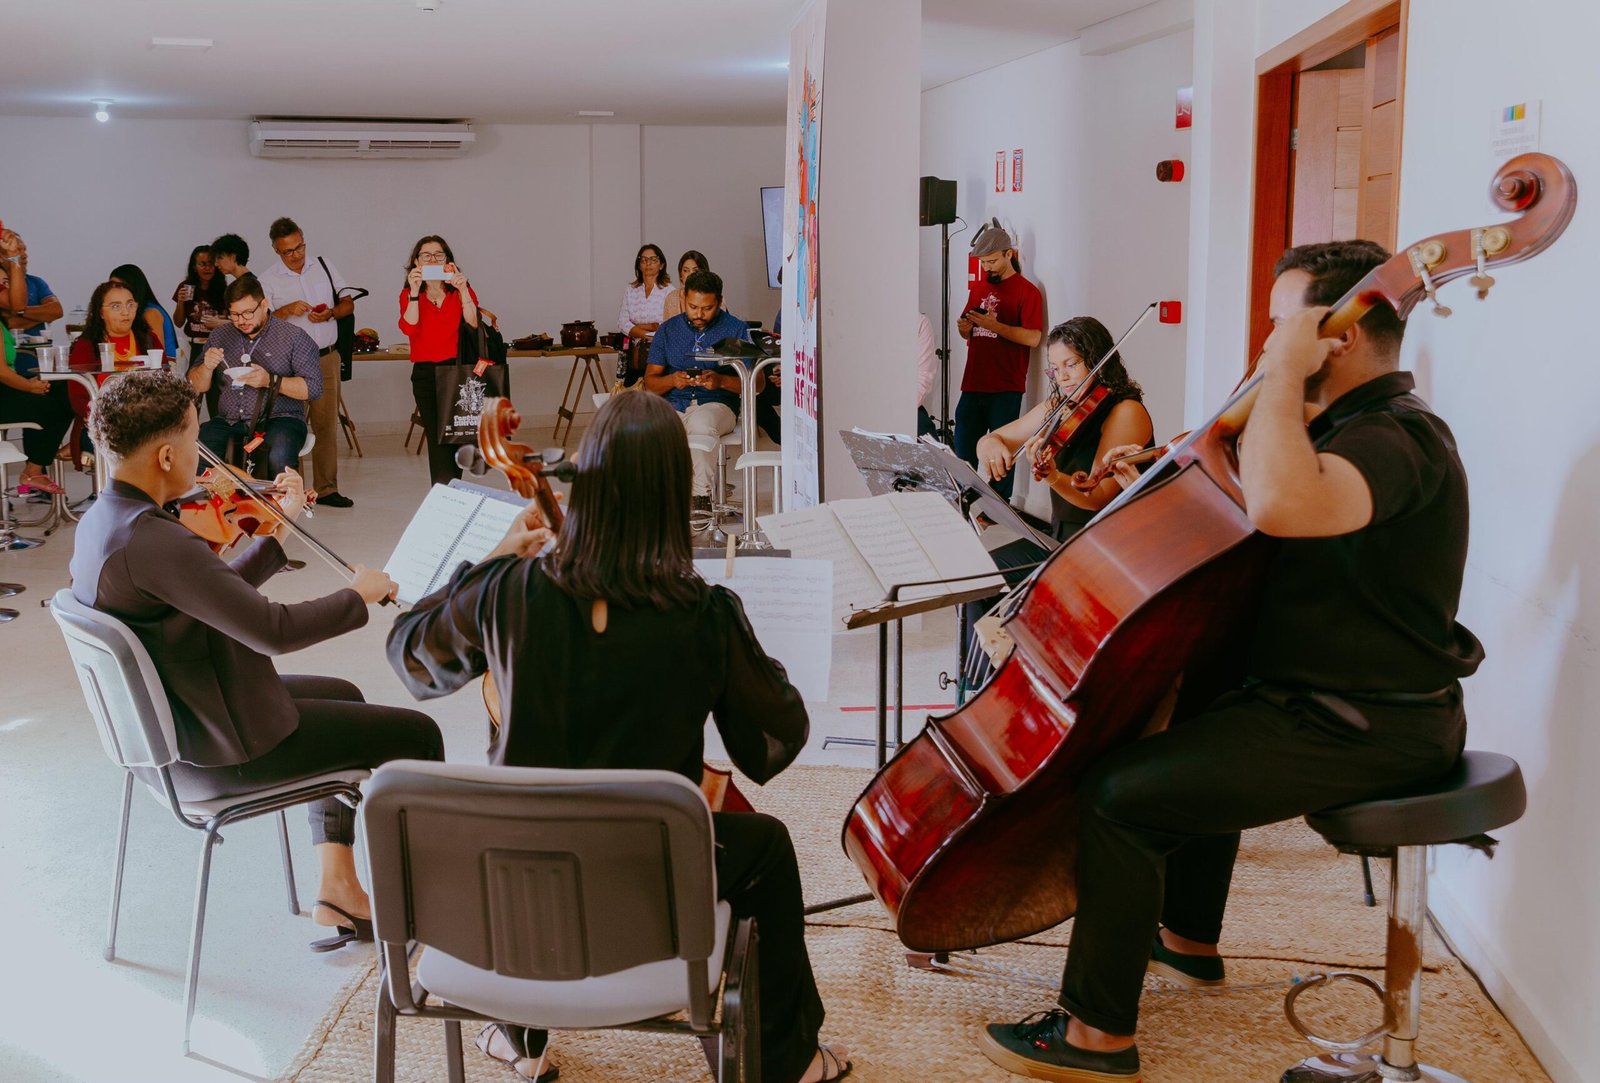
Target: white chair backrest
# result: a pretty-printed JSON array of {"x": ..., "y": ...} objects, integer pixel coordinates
[{"x": 120, "y": 685}]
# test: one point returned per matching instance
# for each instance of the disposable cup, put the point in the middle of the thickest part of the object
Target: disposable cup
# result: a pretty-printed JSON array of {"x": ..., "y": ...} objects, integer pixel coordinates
[
  {"x": 108, "y": 357},
  {"x": 153, "y": 359}
]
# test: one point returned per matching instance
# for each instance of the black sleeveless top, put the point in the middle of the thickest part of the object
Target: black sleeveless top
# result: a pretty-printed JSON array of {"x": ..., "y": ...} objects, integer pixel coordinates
[{"x": 1067, "y": 518}]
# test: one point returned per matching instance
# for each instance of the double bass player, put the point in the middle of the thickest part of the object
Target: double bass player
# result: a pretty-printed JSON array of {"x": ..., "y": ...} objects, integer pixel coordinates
[{"x": 1353, "y": 671}]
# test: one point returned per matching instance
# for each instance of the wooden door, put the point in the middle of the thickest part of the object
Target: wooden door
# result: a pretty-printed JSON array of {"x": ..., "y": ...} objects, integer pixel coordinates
[
  {"x": 1378, "y": 205},
  {"x": 1325, "y": 155}
]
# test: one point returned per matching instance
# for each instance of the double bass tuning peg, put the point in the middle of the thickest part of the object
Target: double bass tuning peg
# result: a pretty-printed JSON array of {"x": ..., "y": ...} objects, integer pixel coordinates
[
  {"x": 1424, "y": 257},
  {"x": 1486, "y": 243}
]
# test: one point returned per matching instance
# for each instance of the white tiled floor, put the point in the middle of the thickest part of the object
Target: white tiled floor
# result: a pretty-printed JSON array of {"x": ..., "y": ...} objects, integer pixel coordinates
[{"x": 65, "y": 1014}]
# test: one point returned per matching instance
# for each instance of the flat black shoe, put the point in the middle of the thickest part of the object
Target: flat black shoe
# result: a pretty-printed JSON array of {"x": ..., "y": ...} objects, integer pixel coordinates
[
  {"x": 1037, "y": 1047},
  {"x": 359, "y": 931},
  {"x": 335, "y": 500},
  {"x": 1194, "y": 971}
]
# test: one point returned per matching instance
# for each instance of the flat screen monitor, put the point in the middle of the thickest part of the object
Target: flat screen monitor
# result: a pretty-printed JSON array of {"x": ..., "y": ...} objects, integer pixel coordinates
[{"x": 772, "y": 229}]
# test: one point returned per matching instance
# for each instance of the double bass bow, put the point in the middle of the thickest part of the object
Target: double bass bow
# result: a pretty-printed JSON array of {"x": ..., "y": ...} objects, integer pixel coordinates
[
  {"x": 968, "y": 836},
  {"x": 528, "y": 472}
]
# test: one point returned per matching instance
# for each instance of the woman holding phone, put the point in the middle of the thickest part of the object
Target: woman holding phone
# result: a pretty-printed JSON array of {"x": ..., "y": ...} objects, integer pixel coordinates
[{"x": 436, "y": 301}]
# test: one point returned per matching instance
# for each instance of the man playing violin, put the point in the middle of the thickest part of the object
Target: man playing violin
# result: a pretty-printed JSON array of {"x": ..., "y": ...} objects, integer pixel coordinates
[
  {"x": 211, "y": 634},
  {"x": 1354, "y": 670}
]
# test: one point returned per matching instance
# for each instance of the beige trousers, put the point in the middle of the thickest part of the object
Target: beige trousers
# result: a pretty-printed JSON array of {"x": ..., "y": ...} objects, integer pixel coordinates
[
  {"x": 707, "y": 419},
  {"x": 323, "y": 417}
]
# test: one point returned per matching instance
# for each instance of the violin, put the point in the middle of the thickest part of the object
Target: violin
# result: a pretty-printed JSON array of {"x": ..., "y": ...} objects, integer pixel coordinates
[
  {"x": 968, "y": 836},
  {"x": 528, "y": 472},
  {"x": 1066, "y": 419},
  {"x": 222, "y": 510}
]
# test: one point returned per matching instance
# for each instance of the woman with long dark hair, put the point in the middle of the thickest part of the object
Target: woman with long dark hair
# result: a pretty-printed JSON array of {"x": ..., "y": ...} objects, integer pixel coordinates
[
  {"x": 563, "y": 622},
  {"x": 1075, "y": 346},
  {"x": 197, "y": 302},
  {"x": 688, "y": 263},
  {"x": 150, "y": 311},
  {"x": 642, "y": 310},
  {"x": 436, "y": 301}
]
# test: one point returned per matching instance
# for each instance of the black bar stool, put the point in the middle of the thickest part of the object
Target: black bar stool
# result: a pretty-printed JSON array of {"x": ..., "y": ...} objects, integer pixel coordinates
[{"x": 1484, "y": 792}]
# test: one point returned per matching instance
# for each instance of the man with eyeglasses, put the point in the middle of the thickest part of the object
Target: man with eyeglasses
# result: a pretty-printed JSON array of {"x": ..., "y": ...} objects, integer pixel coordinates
[
  {"x": 267, "y": 413},
  {"x": 308, "y": 297}
]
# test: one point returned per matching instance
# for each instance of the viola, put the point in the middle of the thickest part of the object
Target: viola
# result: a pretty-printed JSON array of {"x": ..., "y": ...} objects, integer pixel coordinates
[
  {"x": 1067, "y": 418},
  {"x": 223, "y": 510},
  {"x": 968, "y": 836},
  {"x": 528, "y": 472}
]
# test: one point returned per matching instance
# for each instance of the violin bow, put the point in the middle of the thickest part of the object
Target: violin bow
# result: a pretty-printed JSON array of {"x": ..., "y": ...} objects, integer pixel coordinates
[
  {"x": 1070, "y": 399},
  {"x": 337, "y": 562}
]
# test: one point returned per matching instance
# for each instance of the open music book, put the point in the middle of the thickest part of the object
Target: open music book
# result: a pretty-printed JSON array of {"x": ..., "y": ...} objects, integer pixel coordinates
[
  {"x": 788, "y": 603},
  {"x": 878, "y": 542},
  {"x": 456, "y": 522}
]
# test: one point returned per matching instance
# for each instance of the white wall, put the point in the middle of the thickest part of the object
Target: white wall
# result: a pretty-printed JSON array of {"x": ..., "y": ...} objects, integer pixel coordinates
[
  {"x": 544, "y": 218},
  {"x": 1099, "y": 235},
  {"x": 1515, "y": 380},
  {"x": 702, "y": 191}
]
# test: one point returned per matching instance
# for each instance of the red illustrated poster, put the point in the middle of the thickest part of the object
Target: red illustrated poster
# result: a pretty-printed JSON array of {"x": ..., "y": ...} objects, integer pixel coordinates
[
  {"x": 999, "y": 171},
  {"x": 1185, "y": 107},
  {"x": 1016, "y": 170}
]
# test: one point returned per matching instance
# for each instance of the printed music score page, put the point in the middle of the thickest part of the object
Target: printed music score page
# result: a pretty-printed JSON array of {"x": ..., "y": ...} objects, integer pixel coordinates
[
  {"x": 454, "y": 524},
  {"x": 878, "y": 542},
  {"x": 789, "y": 605}
]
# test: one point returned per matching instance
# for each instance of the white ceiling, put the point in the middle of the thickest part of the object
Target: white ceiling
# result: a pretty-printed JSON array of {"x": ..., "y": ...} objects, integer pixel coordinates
[{"x": 493, "y": 61}]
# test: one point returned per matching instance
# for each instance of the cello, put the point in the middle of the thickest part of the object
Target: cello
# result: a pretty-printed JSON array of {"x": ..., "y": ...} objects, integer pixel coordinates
[
  {"x": 968, "y": 835},
  {"x": 528, "y": 472}
]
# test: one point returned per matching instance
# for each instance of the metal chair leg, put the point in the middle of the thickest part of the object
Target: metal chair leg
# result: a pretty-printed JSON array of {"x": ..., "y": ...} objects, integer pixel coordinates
[
  {"x": 383, "y": 1034},
  {"x": 454, "y": 1065},
  {"x": 192, "y": 983},
  {"x": 116, "y": 875},
  {"x": 288, "y": 864}
]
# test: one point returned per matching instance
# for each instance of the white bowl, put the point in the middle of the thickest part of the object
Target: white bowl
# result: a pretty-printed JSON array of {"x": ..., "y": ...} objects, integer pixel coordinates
[{"x": 237, "y": 371}]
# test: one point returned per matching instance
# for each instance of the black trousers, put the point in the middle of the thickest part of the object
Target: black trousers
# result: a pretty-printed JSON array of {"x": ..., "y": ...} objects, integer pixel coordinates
[
  {"x": 1159, "y": 820},
  {"x": 981, "y": 412},
  {"x": 52, "y": 412},
  {"x": 338, "y": 729},
  {"x": 759, "y": 877},
  {"x": 441, "y": 457}
]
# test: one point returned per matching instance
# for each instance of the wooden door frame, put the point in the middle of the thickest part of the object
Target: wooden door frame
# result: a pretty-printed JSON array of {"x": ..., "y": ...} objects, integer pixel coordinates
[{"x": 1340, "y": 30}]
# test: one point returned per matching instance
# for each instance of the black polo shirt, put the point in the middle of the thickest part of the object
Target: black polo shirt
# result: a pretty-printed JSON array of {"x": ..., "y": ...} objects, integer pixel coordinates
[{"x": 1375, "y": 610}]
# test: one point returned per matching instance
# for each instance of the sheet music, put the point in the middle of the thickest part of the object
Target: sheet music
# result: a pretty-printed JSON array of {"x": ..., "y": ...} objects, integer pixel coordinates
[
  {"x": 888, "y": 546},
  {"x": 452, "y": 525},
  {"x": 789, "y": 603},
  {"x": 815, "y": 533},
  {"x": 948, "y": 540}
]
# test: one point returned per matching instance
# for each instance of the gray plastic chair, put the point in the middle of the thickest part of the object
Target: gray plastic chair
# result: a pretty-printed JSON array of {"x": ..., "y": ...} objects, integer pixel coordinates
[
  {"x": 134, "y": 720},
  {"x": 554, "y": 899}
]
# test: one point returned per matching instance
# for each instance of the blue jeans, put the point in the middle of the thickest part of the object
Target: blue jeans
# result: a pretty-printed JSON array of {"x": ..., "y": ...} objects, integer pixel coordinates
[
  {"x": 285, "y": 436},
  {"x": 981, "y": 412}
]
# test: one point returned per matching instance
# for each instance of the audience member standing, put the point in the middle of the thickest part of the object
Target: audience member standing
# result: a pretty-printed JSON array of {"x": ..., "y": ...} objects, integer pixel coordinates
[
  {"x": 432, "y": 310},
  {"x": 1002, "y": 323},
  {"x": 41, "y": 307},
  {"x": 307, "y": 295},
  {"x": 197, "y": 302},
  {"x": 150, "y": 311},
  {"x": 232, "y": 255}
]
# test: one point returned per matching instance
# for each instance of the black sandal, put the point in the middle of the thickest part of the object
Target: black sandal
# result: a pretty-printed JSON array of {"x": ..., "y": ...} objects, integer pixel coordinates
[
  {"x": 519, "y": 1053},
  {"x": 359, "y": 931},
  {"x": 832, "y": 1067}
]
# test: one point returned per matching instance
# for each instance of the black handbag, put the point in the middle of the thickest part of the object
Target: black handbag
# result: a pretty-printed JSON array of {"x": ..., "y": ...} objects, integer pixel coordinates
[
  {"x": 460, "y": 388},
  {"x": 346, "y": 325}
]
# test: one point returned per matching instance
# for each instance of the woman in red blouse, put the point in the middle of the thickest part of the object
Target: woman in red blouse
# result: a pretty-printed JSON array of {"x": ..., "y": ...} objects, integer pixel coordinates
[
  {"x": 433, "y": 306},
  {"x": 113, "y": 317}
]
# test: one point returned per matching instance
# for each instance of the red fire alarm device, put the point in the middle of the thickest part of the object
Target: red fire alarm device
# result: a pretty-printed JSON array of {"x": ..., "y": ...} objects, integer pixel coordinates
[
  {"x": 1169, "y": 170},
  {"x": 1171, "y": 312},
  {"x": 974, "y": 271}
]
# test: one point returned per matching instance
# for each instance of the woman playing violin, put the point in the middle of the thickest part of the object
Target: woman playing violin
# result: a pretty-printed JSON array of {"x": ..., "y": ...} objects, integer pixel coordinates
[
  {"x": 211, "y": 634},
  {"x": 609, "y": 651}
]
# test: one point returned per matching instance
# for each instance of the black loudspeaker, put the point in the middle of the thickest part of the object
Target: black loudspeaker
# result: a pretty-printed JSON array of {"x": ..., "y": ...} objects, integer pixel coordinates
[{"x": 937, "y": 205}]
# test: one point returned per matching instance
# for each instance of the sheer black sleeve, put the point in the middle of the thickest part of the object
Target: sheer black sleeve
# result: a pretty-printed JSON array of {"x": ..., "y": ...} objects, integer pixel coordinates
[{"x": 437, "y": 647}]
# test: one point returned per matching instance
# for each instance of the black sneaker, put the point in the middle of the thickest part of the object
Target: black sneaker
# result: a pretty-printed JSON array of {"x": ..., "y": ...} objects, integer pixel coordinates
[
  {"x": 335, "y": 500},
  {"x": 1194, "y": 971},
  {"x": 1037, "y": 1048}
]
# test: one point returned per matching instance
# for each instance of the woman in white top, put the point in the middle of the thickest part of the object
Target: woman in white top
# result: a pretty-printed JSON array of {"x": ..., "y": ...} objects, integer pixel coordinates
[{"x": 642, "y": 304}]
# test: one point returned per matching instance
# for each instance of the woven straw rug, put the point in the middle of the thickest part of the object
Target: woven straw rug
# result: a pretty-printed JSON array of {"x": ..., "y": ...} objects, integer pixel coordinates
[{"x": 1295, "y": 910}]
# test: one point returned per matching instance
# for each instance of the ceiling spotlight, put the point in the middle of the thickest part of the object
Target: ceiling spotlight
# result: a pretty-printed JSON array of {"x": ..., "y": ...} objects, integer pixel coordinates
[
  {"x": 597, "y": 112},
  {"x": 101, "y": 109}
]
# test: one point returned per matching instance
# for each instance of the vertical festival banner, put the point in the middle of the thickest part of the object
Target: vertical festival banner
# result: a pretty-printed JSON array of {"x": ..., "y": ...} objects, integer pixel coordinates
[{"x": 802, "y": 459}]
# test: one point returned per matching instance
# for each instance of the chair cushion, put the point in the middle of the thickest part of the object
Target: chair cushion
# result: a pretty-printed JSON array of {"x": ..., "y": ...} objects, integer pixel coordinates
[
  {"x": 1484, "y": 791},
  {"x": 628, "y": 996},
  {"x": 207, "y": 809}
]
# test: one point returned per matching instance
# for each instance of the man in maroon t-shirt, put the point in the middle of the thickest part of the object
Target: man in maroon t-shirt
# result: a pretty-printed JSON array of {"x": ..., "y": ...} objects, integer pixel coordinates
[{"x": 1003, "y": 321}]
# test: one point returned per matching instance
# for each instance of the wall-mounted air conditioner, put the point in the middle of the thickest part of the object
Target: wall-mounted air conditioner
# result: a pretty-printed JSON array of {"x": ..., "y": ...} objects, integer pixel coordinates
[{"x": 292, "y": 138}]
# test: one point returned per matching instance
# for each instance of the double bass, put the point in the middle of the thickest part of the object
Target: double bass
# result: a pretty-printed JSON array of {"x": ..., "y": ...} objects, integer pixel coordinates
[
  {"x": 968, "y": 836},
  {"x": 528, "y": 472}
]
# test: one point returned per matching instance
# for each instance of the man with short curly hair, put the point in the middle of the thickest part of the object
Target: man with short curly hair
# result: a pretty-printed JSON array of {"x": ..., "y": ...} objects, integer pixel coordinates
[{"x": 210, "y": 631}]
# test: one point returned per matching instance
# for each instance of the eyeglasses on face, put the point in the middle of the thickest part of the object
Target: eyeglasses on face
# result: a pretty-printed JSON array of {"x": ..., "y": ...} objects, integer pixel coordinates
[
  {"x": 237, "y": 316},
  {"x": 431, "y": 257},
  {"x": 296, "y": 250},
  {"x": 121, "y": 306}
]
